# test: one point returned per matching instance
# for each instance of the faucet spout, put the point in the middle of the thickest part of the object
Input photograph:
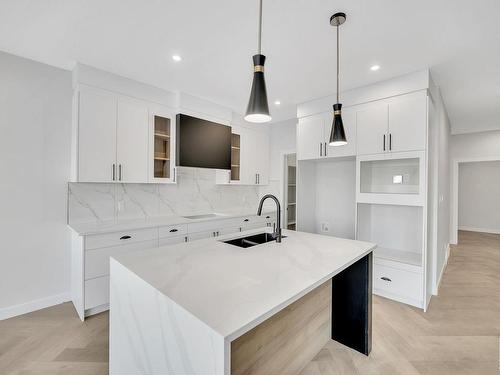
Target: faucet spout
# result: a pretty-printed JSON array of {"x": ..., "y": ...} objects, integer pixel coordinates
[{"x": 277, "y": 233}]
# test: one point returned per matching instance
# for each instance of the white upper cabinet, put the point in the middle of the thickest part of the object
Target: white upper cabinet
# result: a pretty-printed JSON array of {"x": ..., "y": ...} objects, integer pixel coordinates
[
  {"x": 132, "y": 141},
  {"x": 349, "y": 120},
  {"x": 372, "y": 129},
  {"x": 117, "y": 140},
  {"x": 408, "y": 122},
  {"x": 311, "y": 137},
  {"x": 251, "y": 156},
  {"x": 96, "y": 136},
  {"x": 393, "y": 125}
]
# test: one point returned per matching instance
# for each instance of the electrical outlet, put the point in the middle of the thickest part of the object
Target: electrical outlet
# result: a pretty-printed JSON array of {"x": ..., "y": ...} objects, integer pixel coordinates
[{"x": 325, "y": 227}]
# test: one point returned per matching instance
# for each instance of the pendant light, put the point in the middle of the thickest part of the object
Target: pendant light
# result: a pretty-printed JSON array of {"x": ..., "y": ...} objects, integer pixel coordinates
[
  {"x": 337, "y": 134},
  {"x": 258, "y": 108}
]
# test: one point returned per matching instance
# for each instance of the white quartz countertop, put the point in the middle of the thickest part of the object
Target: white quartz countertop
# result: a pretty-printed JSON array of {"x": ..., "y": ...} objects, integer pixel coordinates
[
  {"x": 233, "y": 289},
  {"x": 108, "y": 226}
]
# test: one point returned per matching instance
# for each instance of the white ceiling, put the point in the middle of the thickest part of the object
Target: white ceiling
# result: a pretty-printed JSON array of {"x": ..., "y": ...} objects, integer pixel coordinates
[{"x": 459, "y": 40}]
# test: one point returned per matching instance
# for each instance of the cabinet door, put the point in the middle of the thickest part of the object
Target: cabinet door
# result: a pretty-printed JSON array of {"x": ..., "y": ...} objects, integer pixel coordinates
[
  {"x": 247, "y": 162},
  {"x": 310, "y": 137},
  {"x": 132, "y": 141},
  {"x": 349, "y": 120},
  {"x": 162, "y": 131},
  {"x": 371, "y": 129},
  {"x": 96, "y": 135},
  {"x": 261, "y": 152},
  {"x": 408, "y": 122},
  {"x": 201, "y": 235}
]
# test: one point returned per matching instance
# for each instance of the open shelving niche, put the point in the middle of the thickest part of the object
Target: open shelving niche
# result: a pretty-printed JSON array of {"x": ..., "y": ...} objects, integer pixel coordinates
[{"x": 396, "y": 229}]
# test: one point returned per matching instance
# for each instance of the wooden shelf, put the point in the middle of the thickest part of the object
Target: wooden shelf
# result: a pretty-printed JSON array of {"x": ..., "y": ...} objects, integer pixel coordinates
[
  {"x": 161, "y": 135},
  {"x": 161, "y": 158},
  {"x": 291, "y": 223},
  {"x": 235, "y": 148},
  {"x": 292, "y": 204},
  {"x": 292, "y": 184}
]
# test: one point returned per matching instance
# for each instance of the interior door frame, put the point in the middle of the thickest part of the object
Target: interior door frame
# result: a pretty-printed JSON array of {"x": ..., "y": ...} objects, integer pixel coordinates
[
  {"x": 284, "y": 187},
  {"x": 454, "y": 191}
]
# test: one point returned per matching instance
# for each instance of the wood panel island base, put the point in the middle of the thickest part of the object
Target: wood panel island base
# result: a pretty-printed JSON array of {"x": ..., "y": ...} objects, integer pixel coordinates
[{"x": 211, "y": 308}]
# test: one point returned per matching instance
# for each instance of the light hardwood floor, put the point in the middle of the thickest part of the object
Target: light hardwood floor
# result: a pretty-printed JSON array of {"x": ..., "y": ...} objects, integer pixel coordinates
[{"x": 458, "y": 335}]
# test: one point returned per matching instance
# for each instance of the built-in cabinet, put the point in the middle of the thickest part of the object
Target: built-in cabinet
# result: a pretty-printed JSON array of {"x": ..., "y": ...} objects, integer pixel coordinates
[
  {"x": 396, "y": 124},
  {"x": 120, "y": 140},
  {"x": 391, "y": 184},
  {"x": 392, "y": 125},
  {"x": 249, "y": 158},
  {"x": 313, "y": 136},
  {"x": 91, "y": 254}
]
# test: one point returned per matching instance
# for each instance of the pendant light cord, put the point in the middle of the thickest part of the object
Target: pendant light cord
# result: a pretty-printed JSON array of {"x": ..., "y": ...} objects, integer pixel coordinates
[
  {"x": 260, "y": 27},
  {"x": 337, "y": 63}
]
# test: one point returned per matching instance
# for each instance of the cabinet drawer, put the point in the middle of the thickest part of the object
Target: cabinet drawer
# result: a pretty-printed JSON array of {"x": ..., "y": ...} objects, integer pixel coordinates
[
  {"x": 172, "y": 231},
  {"x": 97, "y": 260},
  {"x": 398, "y": 283},
  {"x": 120, "y": 238},
  {"x": 229, "y": 230},
  {"x": 200, "y": 236},
  {"x": 172, "y": 240},
  {"x": 96, "y": 292}
]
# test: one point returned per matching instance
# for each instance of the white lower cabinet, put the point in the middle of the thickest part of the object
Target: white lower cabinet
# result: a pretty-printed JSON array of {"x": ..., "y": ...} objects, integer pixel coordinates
[
  {"x": 91, "y": 254},
  {"x": 96, "y": 294},
  {"x": 397, "y": 281}
]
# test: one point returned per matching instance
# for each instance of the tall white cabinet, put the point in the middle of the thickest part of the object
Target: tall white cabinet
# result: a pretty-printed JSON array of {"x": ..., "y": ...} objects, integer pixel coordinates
[{"x": 388, "y": 138}]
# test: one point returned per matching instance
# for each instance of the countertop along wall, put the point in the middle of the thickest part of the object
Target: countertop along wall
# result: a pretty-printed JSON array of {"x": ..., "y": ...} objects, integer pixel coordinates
[{"x": 35, "y": 140}]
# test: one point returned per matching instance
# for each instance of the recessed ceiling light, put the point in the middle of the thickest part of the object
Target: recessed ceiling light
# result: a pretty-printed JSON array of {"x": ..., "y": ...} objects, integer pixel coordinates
[
  {"x": 277, "y": 102},
  {"x": 176, "y": 58},
  {"x": 374, "y": 68}
]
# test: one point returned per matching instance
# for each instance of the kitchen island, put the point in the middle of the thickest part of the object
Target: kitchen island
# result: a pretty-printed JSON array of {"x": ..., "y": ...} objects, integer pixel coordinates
[{"x": 212, "y": 308}]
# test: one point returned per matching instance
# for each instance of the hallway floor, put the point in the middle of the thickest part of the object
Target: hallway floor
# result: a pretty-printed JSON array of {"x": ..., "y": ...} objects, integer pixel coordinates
[{"x": 459, "y": 334}]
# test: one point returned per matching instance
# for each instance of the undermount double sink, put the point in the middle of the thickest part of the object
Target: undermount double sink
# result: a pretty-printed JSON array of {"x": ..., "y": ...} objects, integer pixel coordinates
[{"x": 252, "y": 240}]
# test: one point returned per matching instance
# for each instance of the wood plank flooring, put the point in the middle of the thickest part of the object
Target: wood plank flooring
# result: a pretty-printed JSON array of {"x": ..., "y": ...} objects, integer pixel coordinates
[{"x": 458, "y": 335}]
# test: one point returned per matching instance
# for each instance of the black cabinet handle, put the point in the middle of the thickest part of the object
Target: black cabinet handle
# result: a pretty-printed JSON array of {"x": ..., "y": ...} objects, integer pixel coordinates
[
  {"x": 173, "y": 230},
  {"x": 390, "y": 142},
  {"x": 246, "y": 220},
  {"x": 384, "y": 142},
  {"x": 125, "y": 237},
  {"x": 268, "y": 217},
  {"x": 386, "y": 279}
]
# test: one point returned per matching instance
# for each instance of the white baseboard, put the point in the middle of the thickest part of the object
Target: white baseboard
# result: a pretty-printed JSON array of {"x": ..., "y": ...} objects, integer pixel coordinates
[
  {"x": 481, "y": 230},
  {"x": 38, "y": 304}
]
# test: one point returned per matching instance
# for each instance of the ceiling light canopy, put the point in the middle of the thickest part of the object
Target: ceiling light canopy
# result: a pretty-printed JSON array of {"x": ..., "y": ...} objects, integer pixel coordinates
[
  {"x": 337, "y": 134},
  {"x": 277, "y": 102},
  {"x": 176, "y": 58},
  {"x": 374, "y": 68},
  {"x": 258, "y": 107}
]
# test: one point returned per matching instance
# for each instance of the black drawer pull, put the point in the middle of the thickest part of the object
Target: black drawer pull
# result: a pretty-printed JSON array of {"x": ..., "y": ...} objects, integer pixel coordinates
[
  {"x": 386, "y": 279},
  {"x": 125, "y": 237},
  {"x": 173, "y": 230},
  {"x": 268, "y": 217},
  {"x": 246, "y": 220}
]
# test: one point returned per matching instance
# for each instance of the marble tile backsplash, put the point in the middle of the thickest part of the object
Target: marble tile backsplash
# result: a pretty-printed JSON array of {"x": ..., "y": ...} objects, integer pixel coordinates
[{"x": 195, "y": 193}]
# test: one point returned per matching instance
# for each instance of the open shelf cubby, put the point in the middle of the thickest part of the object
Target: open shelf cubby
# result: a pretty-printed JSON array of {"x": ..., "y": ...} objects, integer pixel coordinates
[
  {"x": 391, "y": 176},
  {"x": 397, "y": 230}
]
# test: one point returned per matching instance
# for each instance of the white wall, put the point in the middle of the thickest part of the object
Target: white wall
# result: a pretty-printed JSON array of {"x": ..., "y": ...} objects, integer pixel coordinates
[
  {"x": 35, "y": 135},
  {"x": 336, "y": 197},
  {"x": 479, "y": 196},
  {"x": 477, "y": 145}
]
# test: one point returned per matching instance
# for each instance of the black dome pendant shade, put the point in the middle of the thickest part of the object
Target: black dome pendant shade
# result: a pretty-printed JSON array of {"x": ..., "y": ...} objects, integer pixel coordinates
[
  {"x": 258, "y": 108},
  {"x": 337, "y": 134}
]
